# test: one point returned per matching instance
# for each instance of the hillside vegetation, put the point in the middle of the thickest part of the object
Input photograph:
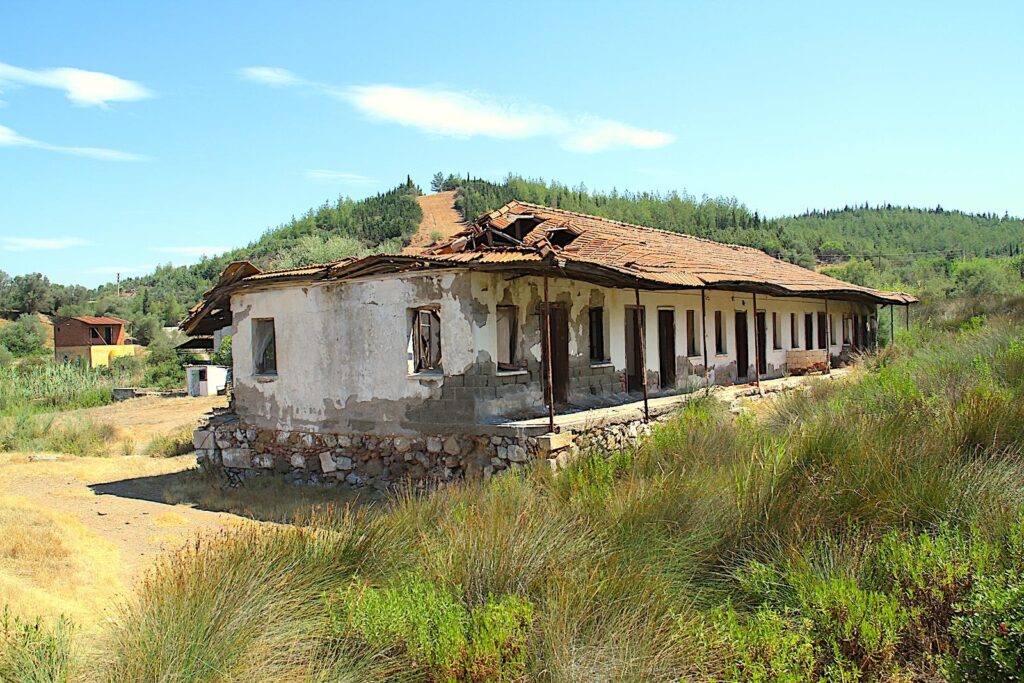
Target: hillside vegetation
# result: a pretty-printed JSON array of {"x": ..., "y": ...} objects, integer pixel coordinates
[
  {"x": 864, "y": 530},
  {"x": 933, "y": 252}
]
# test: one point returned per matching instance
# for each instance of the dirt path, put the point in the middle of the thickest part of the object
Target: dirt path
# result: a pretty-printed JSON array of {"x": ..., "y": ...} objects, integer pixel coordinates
[
  {"x": 440, "y": 219},
  {"x": 139, "y": 420}
]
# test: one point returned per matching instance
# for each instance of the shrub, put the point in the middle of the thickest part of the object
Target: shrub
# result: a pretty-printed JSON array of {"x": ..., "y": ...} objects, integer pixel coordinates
[
  {"x": 33, "y": 652},
  {"x": 764, "y": 646},
  {"x": 168, "y": 445},
  {"x": 989, "y": 632},
  {"x": 25, "y": 336},
  {"x": 78, "y": 437},
  {"x": 430, "y": 630},
  {"x": 222, "y": 356}
]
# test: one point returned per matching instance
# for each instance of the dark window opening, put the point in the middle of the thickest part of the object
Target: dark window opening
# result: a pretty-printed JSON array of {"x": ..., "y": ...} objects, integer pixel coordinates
[
  {"x": 202, "y": 374},
  {"x": 794, "y": 334},
  {"x": 691, "y": 334},
  {"x": 808, "y": 331},
  {"x": 597, "y": 354},
  {"x": 507, "y": 337},
  {"x": 108, "y": 334},
  {"x": 822, "y": 331},
  {"x": 561, "y": 238},
  {"x": 776, "y": 332},
  {"x": 426, "y": 340},
  {"x": 94, "y": 333},
  {"x": 719, "y": 334},
  {"x": 264, "y": 346}
]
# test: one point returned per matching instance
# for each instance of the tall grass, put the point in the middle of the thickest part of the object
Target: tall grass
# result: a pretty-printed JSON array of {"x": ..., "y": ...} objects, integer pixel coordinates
[
  {"x": 862, "y": 530},
  {"x": 43, "y": 386},
  {"x": 26, "y": 431}
]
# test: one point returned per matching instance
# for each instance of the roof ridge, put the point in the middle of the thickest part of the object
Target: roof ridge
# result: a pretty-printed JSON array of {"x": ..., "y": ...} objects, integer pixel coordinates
[{"x": 636, "y": 226}]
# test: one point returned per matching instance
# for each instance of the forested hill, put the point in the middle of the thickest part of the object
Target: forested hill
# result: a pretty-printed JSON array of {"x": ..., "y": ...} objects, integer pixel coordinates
[
  {"x": 930, "y": 251},
  {"x": 813, "y": 237}
]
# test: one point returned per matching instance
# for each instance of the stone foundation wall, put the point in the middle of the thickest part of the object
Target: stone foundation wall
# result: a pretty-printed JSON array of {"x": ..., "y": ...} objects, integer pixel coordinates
[{"x": 240, "y": 452}]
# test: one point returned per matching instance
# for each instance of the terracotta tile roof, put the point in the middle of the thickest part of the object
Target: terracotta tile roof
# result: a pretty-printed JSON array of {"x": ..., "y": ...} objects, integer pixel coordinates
[
  {"x": 99, "y": 320},
  {"x": 648, "y": 254}
]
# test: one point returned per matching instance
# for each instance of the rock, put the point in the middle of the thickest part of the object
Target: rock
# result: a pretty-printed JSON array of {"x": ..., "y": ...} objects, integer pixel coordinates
[
  {"x": 239, "y": 458},
  {"x": 343, "y": 463},
  {"x": 434, "y": 444},
  {"x": 283, "y": 438},
  {"x": 516, "y": 453},
  {"x": 374, "y": 467},
  {"x": 402, "y": 444},
  {"x": 306, "y": 441},
  {"x": 203, "y": 439},
  {"x": 330, "y": 440},
  {"x": 497, "y": 463},
  {"x": 297, "y": 460},
  {"x": 488, "y": 472},
  {"x": 552, "y": 464},
  {"x": 451, "y": 462},
  {"x": 327, "y": 463},
  {"x": 554, "y": 442},
  {"x": 452, "y": 445},
  {"x": 495, "y": 440},
  {"x": 344, "y": 441},
  {"x": 502, "y": 452},
  {"x": 264, "y": 461},
  {"x": 250, "y": 435}
]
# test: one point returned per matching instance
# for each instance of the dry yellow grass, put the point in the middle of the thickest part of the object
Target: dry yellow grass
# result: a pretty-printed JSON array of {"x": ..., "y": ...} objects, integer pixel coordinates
[{"x": 51, "y": 564}]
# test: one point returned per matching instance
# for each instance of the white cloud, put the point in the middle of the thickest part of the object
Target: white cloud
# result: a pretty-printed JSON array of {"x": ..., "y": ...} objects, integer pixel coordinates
[
  {"x": 83, "y": 88},
  {"x": 41, "y": 243},
  {"x": 197, "y": 250},
  {"x": 270, "y": 75},
  {"x": 9, "y": 138},
  {"x": 463, "y": 115},
  {"x": 598, "y": 135},
  {"x": 324, "y": 175}
]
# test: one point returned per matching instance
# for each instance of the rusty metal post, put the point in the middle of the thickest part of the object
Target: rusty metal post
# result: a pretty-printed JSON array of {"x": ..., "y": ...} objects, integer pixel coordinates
[
  {"x": 704, "y": 335},
  {"x": 757, "y": 350},
  {"x": 828, "y": 341},
  {"x": 547, "y": 358},
  {"x": 641, "y": 323}
]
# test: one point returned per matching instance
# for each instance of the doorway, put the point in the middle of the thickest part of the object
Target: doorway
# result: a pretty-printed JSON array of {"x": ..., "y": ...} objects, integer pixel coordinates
[
  {"x": 559, "y": 353},
  {"x": 667, "y": 347},
  {"x": 760, "y": 328},
  {"x": 808, "y": 331},
  {"x": 742, "y": 351},
  {"x": 635, "y": 322}
]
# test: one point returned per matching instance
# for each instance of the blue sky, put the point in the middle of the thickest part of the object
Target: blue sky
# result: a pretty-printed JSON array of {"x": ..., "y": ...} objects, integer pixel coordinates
[{"x": 133, "y": 134}]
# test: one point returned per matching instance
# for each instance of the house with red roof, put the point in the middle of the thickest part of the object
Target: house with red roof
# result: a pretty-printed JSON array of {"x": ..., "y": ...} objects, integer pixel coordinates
[
  {"x": 91, "y": 340},
  {"x": 530, "y": 328}
]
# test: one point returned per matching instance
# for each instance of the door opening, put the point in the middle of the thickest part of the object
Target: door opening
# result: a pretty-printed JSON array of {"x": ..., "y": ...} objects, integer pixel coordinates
[
  {"x": 667, "y": 347},
  {"x": 559, "y": 352},
  {"x": 635, "y": 318},
  {"x": 762, "y": 345},
  {"x": 742, "y": 350}
]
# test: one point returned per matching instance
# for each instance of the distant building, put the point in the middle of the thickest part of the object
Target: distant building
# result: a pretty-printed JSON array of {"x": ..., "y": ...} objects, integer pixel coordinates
[{"x": 91, "y": 341}]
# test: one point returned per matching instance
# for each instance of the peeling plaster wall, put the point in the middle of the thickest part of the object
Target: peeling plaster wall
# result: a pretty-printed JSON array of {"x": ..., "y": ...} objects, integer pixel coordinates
[{"x": 343, "y": 348}]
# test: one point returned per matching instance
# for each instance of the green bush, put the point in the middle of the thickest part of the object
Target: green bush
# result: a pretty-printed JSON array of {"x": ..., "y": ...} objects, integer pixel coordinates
[
  {"x": 989, "y": 632},
  {"x": 34, "y": 652},
  {"x": 429, "y": 629},
  {"x": 25, "y": 336},
  {"x": 222, "y": 356},
  {"x": 767, "y": 645}
]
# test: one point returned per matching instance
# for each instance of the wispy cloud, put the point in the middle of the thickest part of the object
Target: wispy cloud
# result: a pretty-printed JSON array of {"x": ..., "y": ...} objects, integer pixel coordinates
[
  {"x": 192, "y": 250},
  {"x": 271, "y": 75},
  {"x": 41, "y": 243},
  {"x": 9, "y": 138},
  {"x": 450, "y": 113},
  {"x": 83, "y": 88},
  {"x": 323, "y": 175}
]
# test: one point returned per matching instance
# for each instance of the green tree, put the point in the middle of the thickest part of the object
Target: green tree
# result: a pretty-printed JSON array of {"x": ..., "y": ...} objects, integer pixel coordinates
[
  {"x": 979, "y": 277},
  {"x": 222, "y": 356},
  {"x": 437, "y": 182},
  {"x": 24, "y": 337},
  {"x": 32, "y": 293}
]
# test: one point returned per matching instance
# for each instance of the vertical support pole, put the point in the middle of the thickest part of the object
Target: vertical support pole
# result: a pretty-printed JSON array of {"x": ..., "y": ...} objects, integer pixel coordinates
[
  {"x": 704, "y": 335},
  {"x": 757, "y": 350},
  {"x": 547, "y": 358},
  {"x": 892, "y": 325},
  {"x": 907, "y": 306},
  {"x": 641, "y": 323},
  {"x": 828, "y": 341}
]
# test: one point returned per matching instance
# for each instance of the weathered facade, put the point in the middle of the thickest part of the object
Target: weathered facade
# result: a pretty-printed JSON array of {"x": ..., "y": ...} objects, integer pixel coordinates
[{"x": 437, "y": 365}]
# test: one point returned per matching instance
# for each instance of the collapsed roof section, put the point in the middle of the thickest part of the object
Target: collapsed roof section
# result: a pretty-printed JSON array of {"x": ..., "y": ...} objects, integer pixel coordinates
[{"x": 528, "y": 239}]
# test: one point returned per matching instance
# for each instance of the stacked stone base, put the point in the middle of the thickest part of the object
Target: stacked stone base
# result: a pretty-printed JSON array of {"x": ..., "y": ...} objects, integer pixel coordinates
[{"x": 240, "y": 452}]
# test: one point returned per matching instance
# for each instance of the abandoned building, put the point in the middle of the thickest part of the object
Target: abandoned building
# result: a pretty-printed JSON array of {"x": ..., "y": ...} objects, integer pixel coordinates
[
  {"x": 508, "y": 342},
  {"x": 91, "y": 341}
]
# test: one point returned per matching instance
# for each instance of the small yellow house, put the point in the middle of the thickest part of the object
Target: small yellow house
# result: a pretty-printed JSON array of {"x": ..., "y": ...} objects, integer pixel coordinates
[{"x": 92, "y": 341}]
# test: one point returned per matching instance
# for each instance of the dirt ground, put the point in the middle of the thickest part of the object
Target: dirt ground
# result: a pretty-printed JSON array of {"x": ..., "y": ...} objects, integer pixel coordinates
[
  {"x": 440, "y": 218},
  {"x": 139, "y": 420},
  {"x": 77, "y": 533}
]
